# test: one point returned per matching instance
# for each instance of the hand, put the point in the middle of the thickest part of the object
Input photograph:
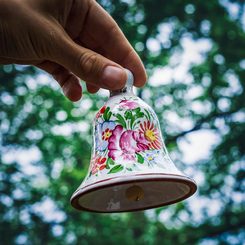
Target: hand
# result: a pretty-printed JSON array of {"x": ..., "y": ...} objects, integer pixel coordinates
[{"x": 68, "y": 39}]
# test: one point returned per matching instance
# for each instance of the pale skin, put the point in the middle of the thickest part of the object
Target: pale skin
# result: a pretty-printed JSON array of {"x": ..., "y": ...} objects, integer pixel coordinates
[{"x": 71, "y": 40}]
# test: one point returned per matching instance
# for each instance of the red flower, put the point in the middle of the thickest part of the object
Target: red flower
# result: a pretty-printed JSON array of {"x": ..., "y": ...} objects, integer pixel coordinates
[
  {"x": 101, "y": 111},
  {"x": 151, "y": 134},
  {"x": 106, "y": 134},
  {"x": 98, "y": 164}
]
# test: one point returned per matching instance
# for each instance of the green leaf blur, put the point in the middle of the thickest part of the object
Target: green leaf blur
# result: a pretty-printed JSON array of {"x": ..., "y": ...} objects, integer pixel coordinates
[{"x": 46, "y": 140}]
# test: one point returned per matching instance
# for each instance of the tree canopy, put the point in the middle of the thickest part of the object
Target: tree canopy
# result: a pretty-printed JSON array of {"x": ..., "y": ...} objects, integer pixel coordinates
[{"x": 46, "y": 140}]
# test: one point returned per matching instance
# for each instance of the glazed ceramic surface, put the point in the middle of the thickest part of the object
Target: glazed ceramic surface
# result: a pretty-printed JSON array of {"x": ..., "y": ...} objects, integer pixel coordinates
[
  {"x": 130, "y": 168},
  {"x": 127, "y": 140}
]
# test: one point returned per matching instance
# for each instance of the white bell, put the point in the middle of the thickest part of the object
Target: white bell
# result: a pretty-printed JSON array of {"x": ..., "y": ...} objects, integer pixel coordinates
[{"x": 130, "y": 168}]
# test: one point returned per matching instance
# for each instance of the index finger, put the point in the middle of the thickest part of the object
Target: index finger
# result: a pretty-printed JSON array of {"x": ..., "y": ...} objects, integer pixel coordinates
[{"x": 101, "y": 32}]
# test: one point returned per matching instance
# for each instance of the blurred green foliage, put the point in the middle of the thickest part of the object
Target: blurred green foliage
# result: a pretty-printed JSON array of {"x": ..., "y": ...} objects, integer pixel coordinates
[{"x": 45, "y": 139}]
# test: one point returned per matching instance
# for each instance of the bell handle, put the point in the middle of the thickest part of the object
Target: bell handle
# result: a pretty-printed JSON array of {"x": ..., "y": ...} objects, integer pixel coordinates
[
  {"x": 130, "y": 79},
  {"x": 128, "y": 85}
]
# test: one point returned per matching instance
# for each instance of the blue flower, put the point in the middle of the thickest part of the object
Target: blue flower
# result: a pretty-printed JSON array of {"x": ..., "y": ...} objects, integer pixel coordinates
[
  {"x": 103, "y": 132},
  {"x": 152, "y": 157}
]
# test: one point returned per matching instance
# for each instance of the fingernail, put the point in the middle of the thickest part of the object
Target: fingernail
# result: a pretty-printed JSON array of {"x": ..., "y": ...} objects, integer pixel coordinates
[{"x": 113, "y": 77}]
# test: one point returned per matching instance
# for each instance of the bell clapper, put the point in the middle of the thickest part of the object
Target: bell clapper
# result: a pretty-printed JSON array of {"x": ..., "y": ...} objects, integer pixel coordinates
[{"x": 134, "y": 193}]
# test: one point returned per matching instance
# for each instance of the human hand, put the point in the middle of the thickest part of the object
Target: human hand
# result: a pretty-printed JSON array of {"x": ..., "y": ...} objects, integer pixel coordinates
[{"x": 68, "y": 39}]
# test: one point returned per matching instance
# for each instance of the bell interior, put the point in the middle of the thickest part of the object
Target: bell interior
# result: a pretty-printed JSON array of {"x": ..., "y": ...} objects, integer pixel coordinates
[{"x": 134, "y": 195}]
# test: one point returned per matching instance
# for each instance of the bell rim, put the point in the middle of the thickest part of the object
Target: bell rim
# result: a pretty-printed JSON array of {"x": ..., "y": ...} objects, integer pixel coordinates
[{"x": 139, "y": 178}]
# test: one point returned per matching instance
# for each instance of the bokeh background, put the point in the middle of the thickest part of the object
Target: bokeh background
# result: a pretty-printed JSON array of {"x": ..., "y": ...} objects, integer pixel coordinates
[{"x": 194, "y": 52}]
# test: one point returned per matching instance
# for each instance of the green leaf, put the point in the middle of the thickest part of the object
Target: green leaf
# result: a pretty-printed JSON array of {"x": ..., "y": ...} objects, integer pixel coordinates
[
  {"x": 128, "y": 114},
  {"x": 137, "y": 110},
  {"x": 147, "y": 115},
  {"x": 140, "y": 159},
  {"x": 132, "y": 122},
  {"x": 121, "y": 120},
  {"x": 109, "y": 115},
  {"x": 116, "y": 169},
  {"x": 110, "y": 161},
  {"x": 106, "y": 115},
  {"x": 140, "y": 114}
]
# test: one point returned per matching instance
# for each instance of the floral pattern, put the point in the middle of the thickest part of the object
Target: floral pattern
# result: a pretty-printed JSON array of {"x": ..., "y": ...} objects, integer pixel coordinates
[
  {"x": 100, "y": 112},
  {"x": 127, "y": 104},
  {"x": 103, "y": 131},
  {"x": 124, "y": 144},
  {"x": 126, "y": 138},
  {"x": 98, "y": 163},
  {"x": 151, "y": 134},
  {"x": 152, "y": 157}
]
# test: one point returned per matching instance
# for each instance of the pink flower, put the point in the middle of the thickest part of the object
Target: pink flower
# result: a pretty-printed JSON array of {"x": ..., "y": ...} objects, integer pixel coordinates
[
  {"x": 128, "y": 104},
  {"x": 151, "y": 134},
  {"x": 124, "y": 144}
]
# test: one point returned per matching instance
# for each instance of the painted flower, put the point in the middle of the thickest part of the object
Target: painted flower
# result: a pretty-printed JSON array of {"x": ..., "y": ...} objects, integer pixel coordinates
[
  {"x": 101, "y": 111},
  {"x": 127, "y": 104},
  {"x": 151, "y": 156},
  {"x": 155, "y": 158},
  {"x": 98, "y": 163},
  {"x": 106, "y": 134},
  {"x": 124, "y": 144},
  {"x": 151, "y": 134},
  {"x": 103, "y": 132}
]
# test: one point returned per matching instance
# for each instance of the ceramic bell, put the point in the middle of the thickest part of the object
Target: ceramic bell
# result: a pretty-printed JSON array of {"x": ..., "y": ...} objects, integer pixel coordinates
[{"x": 130, "y": 168}]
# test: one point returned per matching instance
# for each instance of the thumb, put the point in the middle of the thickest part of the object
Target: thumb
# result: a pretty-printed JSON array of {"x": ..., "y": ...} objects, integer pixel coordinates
[{"x": 90, "y": 66}]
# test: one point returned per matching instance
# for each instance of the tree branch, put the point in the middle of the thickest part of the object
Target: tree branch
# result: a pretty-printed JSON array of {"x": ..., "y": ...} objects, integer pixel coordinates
[{"x": 198, "y": 125}]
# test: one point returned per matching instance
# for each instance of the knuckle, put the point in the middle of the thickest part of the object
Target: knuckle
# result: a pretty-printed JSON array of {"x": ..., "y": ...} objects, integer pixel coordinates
[{"x": 90, "y": 64}]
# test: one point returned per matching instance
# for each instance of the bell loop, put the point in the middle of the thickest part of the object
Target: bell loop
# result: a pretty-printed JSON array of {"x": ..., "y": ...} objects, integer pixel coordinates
[{"x": 128, "y": 85}]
